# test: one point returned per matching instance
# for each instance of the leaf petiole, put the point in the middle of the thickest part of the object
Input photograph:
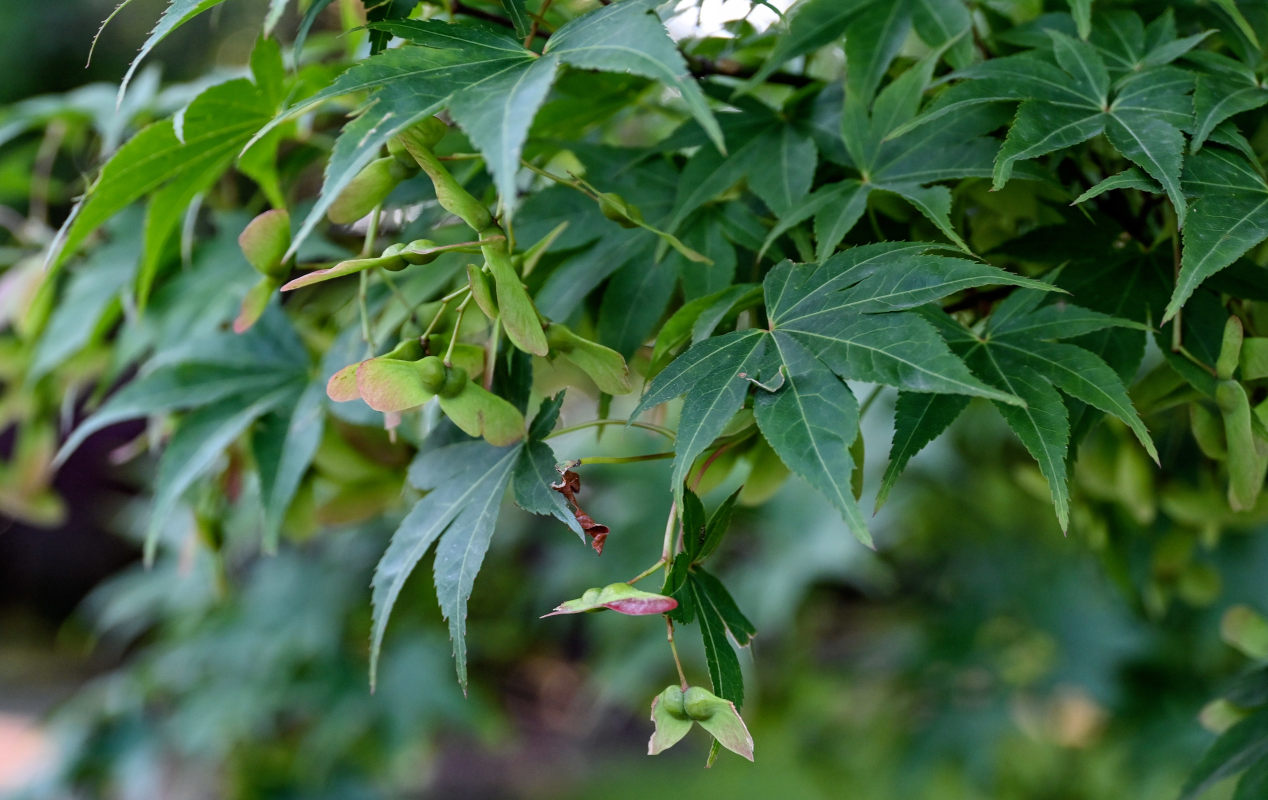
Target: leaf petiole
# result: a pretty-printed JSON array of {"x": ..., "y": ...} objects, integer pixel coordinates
[
  {"x": 673, "y": 648},
  {"x": 595, "y": 423},
  {"x": 622, "y": 459},
  {"x": 640, "y": 576}
]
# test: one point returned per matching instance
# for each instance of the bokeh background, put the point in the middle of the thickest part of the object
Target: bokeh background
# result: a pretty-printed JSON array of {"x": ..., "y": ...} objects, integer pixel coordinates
[{"x": 977, "y": 653}]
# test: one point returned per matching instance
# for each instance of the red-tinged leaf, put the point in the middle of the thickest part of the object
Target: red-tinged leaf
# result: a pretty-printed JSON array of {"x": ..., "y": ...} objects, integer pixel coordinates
[
  {"x": 342, "y": 386},
  {"x": 264, "y": 241},
  {"x": 337, "y": 271},
  {"x": 619, "y": 597},
  {"x": 389, "y": 384}
]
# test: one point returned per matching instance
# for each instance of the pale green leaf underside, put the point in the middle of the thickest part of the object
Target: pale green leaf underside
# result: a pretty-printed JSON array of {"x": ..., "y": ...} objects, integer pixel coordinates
[
  {"x": 198, "y": 442},
  {"x": 466, "y": 483}
]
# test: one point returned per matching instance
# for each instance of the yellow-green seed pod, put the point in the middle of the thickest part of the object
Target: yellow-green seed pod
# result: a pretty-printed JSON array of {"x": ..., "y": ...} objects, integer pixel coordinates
[
  {"x": 369, "y": 188},
  {"x": 412, "y": 255},
  {"x": 1208, "y": 432},
  {"x": 430, "y": 131},
  {"x": 391, "y": 385},
  {"x": 482, "y": 291},
  {"x": 253, "y": 305},
  {"x": 699, "y": 703},
  {"x": 264, "y": 242},
  {"x": 407, "y": 349},
  {"x": 397, "y": 151},
  {"x": 615, "y": 208},
  {"x": 481, "y": 413},
  {"x": 515, "y": 308},
  {"x": 396, "y": 262},
  {"x": 560, "y": 338},
  {"x": 673, "y": 701},
  {"x": 455, "y": 379},
  {"x": 1230, "y": 349},
  {"x": 604, "y": 365},
  {"x": 1247, "y": 458},
  {"x": 432, "y": 374}
]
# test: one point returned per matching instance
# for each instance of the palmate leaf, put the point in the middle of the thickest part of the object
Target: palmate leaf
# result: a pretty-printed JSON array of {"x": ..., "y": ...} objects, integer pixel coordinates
[
  {"x": 465, "y": 484},
  {"x": 1128, "y": 45},
  {"x": 918, "y": 420},
  {"x": 782, "y": 176},
  {"x": 178, "y": 12},
  {"x": 839, "y": 310},
  {"x": 1081, "y": 10},
  {"x": 212, "y": 130},
  {"x": 203, "y": 370},
  {"x": 874, "y": 32},
  {"x": 714, "y": 375},
  {"x": 811, "y": 423},
  {"x": 492, "y": 85},
  {"x": 809, "y": 25},
  {"x": 852, "y": 312},
  {"x": 902, "y": 164},
  {"x": 284, "y": 445},
  {"x": 757, "y": 139},
  {"x": 518, "y": 14},
  {"x": 411, "y": 83},
  {"x": 629, "y": 37},
  {"x": 1226, "y": 88},
  {"x": 497, "y": 113},
  {"x": 198, "y": 442},
  {"x": 872, "y": 41},
  {"x": 1229, "y": 217},
  {"x": 1018, "y": 351},
  {"x": 1073, "y": 100},
  {"x": 1130, "y": 178},
  {"x": 178, "y": 387}
]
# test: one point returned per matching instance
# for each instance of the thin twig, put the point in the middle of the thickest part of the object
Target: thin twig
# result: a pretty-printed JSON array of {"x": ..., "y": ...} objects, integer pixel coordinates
[
  {"x": 673, "y": 648},
  {"x": 457, "y": 326},
  {"x": 537, "y": 18}
]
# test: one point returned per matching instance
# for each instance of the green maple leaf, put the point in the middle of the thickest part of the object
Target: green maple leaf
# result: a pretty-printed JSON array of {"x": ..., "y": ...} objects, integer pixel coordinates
[
  {"x": 171, "y": 161},
  {"x": 719, "y": 615},
  {"x": 261, "y": 374},
  {"x": 465, "y": 484},
  {"x": 874, "y": 33},
  {"x": 1229, "y": 217},
  {"x": 848, "y": 318},
  {"x": 492, "y": 85},
  {"x": 903, "y": 164},
  {"x": 1019, "y": 350},
  {"x": 1128, "y": 45},
  {"x": 1223, "y": 89},
  {"x": 1071, "y": 97}
]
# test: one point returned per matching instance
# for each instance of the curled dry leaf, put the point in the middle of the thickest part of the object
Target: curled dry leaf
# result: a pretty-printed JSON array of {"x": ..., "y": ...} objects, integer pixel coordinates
[{"x": 568, "y": 485}]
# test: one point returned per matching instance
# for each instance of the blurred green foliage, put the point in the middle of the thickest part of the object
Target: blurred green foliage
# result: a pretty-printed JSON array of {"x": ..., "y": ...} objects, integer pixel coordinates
[{"x": 977, "y": 653}]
